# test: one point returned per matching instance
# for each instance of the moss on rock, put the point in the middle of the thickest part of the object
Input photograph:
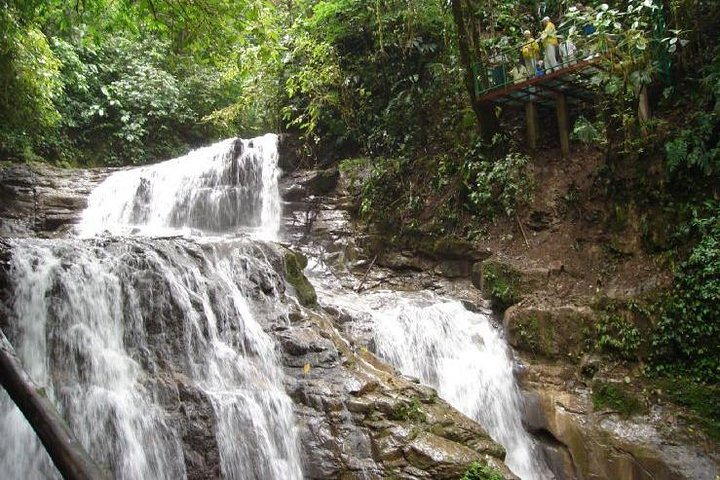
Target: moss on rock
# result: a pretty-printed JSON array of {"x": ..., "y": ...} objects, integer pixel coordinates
[
  {"x": 506, "y": 284},
  {"x": 294, "y": 265},
  {"x": 553, "y": 332}
]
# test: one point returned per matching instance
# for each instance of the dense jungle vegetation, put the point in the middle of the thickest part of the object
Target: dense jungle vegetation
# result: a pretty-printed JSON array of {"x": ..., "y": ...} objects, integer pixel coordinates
[{"x": 384, "y": 87}]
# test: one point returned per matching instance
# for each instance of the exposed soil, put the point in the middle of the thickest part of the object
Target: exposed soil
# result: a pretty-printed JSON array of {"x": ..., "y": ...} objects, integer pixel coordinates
[{"x": 571, "y": 226}]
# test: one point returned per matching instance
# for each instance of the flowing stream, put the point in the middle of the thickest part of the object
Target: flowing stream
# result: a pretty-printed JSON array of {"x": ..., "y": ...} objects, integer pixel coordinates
[{"x": 171, "y": 283}]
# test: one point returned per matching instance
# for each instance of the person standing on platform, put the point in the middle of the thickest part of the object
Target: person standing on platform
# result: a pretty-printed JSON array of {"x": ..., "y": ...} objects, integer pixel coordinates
[
  {"x": 530, "y": 52},
  {"x": 550, "y": 43},
  {"x": 519, "y": 73}
]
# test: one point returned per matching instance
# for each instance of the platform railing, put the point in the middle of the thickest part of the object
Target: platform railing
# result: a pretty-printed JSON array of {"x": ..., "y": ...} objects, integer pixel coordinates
[{"x": 576, "y": 43}]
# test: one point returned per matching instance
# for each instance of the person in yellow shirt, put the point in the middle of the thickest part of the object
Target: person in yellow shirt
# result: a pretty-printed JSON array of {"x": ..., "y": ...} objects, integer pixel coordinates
[
  {"x": 530, "y": 52},
  {"x": 550, "y": 43}
]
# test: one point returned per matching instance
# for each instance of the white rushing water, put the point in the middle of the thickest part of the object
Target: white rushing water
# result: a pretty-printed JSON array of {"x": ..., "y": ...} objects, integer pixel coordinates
[
  {"x": 456, "y": 351},
  {"x": 217, "y": 189},
  {"x": 73, "y": 329},
  {"x": 118, "y": 329}
]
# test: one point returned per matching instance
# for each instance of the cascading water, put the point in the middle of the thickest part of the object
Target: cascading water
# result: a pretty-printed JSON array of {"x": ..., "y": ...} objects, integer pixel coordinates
[
  {"x": 156, "y": 351},
  {"x": 446, "y": 346},
  {"x": 217, "y": 189},
  {"x": 462, "y": 355},
  {"x": 118, "y": 330}
]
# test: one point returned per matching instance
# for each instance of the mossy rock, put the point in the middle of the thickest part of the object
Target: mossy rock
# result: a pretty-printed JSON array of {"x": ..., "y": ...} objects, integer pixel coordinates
[
  {"x": 505, "y": 284},
  {"x": 500, "y": 282},
  {"x": 294, "y": 265},
  {"x": 554, "y": 332},
  {"x": 616, "y": 397}
]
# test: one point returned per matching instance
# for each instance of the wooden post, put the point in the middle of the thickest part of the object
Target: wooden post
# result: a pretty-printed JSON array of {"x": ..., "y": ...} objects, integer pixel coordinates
[
  {"x": 70, "y": 458},
  {"x": 531, "y": 119},
  {"x": 643, "y": 105},
  {"x": 563, "y": 128}
]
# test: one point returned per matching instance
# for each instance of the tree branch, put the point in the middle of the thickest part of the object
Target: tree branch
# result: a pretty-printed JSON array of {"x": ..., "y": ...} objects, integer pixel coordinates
[{"x": 70, "y": 458}]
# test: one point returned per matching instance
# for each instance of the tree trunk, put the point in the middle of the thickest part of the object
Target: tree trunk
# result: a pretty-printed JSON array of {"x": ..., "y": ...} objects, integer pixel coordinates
[
  {"x": 69, "y": 456},
  {"x": 484, "y": 111}
]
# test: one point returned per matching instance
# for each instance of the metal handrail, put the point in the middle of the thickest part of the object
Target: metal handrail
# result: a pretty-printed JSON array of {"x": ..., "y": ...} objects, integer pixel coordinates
[{"x": 587, "y": 45}]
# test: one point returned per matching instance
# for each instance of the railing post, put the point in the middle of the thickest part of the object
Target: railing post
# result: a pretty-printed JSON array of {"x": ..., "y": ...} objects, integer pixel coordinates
[
  {"x": 531, "y": 119},
  {"x": 563, "y": 128}
]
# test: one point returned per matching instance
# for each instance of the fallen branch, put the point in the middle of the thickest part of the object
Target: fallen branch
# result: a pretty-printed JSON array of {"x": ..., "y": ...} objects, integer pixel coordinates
[
  {"x": 359, "y": 287},
  {"x": 522, "y": 230},
  {"x": 69, "y": 456}
]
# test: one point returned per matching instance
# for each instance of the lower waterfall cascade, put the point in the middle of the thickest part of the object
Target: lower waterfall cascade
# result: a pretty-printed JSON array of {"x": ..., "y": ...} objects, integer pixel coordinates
[{"x": 169, "y": 289}]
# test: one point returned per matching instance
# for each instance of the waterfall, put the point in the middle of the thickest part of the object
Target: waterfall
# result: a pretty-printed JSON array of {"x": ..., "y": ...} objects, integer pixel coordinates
[
  {"x": 154, "y": 349},
  {"x": 456, "y": 351},
  {"x": 227, "y": 186}
]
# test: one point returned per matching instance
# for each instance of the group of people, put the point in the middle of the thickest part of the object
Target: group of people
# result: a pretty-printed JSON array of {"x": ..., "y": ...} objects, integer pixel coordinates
[
  {"x": 532, "y": 63},
  {"x": 544, "y": 54}
]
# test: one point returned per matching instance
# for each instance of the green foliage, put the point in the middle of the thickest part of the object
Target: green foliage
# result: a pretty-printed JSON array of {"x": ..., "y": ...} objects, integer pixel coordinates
[
  {"x": 131, "y": 103},
  {"x": 479, "y": 471},
  {"x": 118, "y": 82},
  {"x": 588, "y": 132},
  {"x": 697, "y": 147},
  {"x": 686, "y": 339},
  {"x": 621, "y": 329},
  {"x": 316, "y": 81},
  {"x": 501, "y": 285},
  {"x": 410, "y": 411},
  {"x": 699, "y": 399},
  {"x": 615, "y": 397},
  {"x": 29, "y": 85},
  {"x": 497, "y": 186}
]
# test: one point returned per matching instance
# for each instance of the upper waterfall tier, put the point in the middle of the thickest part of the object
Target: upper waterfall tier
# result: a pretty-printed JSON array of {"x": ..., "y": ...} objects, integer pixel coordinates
[{"x": 229, "y": 186}]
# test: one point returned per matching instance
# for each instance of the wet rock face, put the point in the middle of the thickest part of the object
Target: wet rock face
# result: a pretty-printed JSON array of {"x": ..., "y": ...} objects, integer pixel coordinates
[
  {"x": 42, "y": 200},
  {"x": 358, "y": 417},
  {"x": 584, "y": 444}
]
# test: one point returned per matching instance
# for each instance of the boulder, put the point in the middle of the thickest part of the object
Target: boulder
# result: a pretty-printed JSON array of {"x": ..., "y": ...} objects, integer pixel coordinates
[
  {"x": 550, "y": 332},
  {"x": 505, "y": 283},
  {"x": 605, "y": 447}
]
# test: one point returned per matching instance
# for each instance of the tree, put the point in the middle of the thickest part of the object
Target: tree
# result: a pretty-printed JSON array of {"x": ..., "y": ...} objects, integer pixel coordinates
[{"x": 469, "y": 46}]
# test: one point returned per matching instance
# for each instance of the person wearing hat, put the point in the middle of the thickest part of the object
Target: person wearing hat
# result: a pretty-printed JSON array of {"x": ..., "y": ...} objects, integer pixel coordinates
[
  {"x": 550, "y": 43},
  {"x": 530, "y": 52}
]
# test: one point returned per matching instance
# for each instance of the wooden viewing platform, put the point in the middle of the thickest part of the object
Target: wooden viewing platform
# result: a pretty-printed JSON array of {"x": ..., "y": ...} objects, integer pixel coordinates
[
  {"x": 569, "y": 80},
  {"x": 569, "y": 84}
]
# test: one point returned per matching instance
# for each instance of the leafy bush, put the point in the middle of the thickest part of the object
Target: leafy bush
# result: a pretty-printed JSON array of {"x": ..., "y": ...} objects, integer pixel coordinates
[
  {"x": 686, "y": 339},
  {"x": 121, "y": 102},
  {"x": 697, "y": 147},
  {"x": 588, "y": 132},
  {"x": 478, "y": 471},
  {"x": 497, "y": 186},
  {"x": 410, "y": 411},
  {"x": 621, "y": 329}
]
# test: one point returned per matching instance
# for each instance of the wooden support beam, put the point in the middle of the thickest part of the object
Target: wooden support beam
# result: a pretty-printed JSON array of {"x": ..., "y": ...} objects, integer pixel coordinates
[
  {"x": 69, "y": 456},
  {"x": 563, "y": 127},
  {"x": 643, "y": 105},
  {"x": 531, "y": 119}
]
